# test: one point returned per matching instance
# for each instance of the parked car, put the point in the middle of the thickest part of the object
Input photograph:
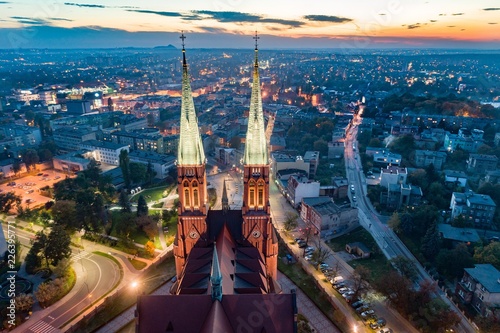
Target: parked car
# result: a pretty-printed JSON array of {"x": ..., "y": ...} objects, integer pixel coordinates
[
  {"x": 343, "y": 290},
  {"x": 363, "y": 308},
  {"x": 367, "y": 313},
  {"x": 386, "y": 330},
  {"x": 40, "y": 174},
  {"x": 339, "y": 285},
  {"x": 302, "y": 245},
  {"x": 357, "y": 304}
]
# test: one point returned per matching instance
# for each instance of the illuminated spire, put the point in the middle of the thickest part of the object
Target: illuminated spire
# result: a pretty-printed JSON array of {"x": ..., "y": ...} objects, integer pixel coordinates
[
  {"x": 255, "y": 146},
  {"x": 190, "y": 150},
  {"x": 225, "y": 200},
  {"x": 216, "y": 277}
]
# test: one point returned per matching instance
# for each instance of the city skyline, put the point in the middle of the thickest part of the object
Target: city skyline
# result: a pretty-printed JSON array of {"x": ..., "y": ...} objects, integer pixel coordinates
[{"x": 227, "y": 23}]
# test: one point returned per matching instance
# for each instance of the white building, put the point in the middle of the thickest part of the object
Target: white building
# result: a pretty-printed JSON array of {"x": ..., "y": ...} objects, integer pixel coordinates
[
  {"x": 393, "y": 175},
  {"x": 105, "y": 152},
  {"x": 299, "y": 188},
  {"x": 160, "y": 163}
]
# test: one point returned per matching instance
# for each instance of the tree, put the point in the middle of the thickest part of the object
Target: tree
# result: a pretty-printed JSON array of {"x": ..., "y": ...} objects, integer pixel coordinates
[
  {"x": 451, "y": 263},
  {"x": 125, "y": 224},
  {"x": 398, "y": 291},
  {"x": 58, "y": 245},
  {"x": 36, "y": 253},
  {"x": 150, "y": 248},
  {"x": 137, "y": 172},
  {"x": 24, "y": 302},
  {"x": 406, "y": 225},
  {"x": 430, "y": 242},
  {"x": 45, "y": 293},
  {"x": 148, "y": 223},
  {"x": 124, "y": 165},
  {"x": 30, "y": 158},
  {"x": 290, "y": 221},
  {"x": 394, "y": 222},
  {"x": 150, "y": 173},
  {"x": 321, "y": 146},
  {"x": 124, "y": 202},
  {"x": 321, "y": 254},
  {"x": 376, "y": 143},
  {"x": 424, "y": 217},
  {"x": 360, "y": 275},
  {"x": 405, "y": 267},
  {"x": 142, "y": 206},
  {"x": 419, "y": 178},
  {"x": 64, "y": 213},
  {"x": 8, "y": 201},
  {"x": 150, "y": 118},
  {"x": 16, "y": 166},
  {"x": 235, "y": 142},
  {"x": 489, "y": 254}
]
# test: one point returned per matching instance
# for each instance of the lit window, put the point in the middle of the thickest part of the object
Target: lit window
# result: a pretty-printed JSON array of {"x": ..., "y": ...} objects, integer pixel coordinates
[{"x": 186, "y": 197}]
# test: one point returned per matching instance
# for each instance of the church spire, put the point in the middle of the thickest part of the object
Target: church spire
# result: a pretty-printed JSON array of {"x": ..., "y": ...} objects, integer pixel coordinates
[
  {"x": 190, "y": 150},
  {"x": 255, "y": 146},
  {"x": 216, "y": 277},
  {"x": 225, "y": 200}
]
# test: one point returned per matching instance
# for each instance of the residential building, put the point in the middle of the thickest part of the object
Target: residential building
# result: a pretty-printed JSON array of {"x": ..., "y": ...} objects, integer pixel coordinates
[
  {"x": 386, "y": 158},
  {"x": 78, "y": 107},
  {"x": 359, "y": 249},
  {"x": 492, "y": 177},
  {"x": 456, "y": 177},
  {"x": 327, "y": 218},
  {"x": 301, "y": 187},
  {"x": 105, "y": 152},
  {"x": 70, "y": 138},
  {"x": 497, "y": 139},
  {"x": 21, "y": 135},
  {"x": 398, "y": 196},
  {"x": 312, "y": 157},
  {"x": 281, "y": 161},
  {"x": 465, "y": 139},
  {"x": 479, "y": 163},
  {"x": 453, "y": 236},
  {"x": 160, "y": 163},
  {"x": 480, "y": 287},
  {"x": 148, "y": 139},
  {"x": 424, "y": 158},
  {"x": 71, "y": 162},
  {"x": 478, "y": 209},
  {"x": 393, "y": 175}
]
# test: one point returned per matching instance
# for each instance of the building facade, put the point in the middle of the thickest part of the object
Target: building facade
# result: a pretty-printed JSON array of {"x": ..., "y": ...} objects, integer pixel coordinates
[
  {"x": 104, "y": 152},
  {"x": 478, "y": 209}
]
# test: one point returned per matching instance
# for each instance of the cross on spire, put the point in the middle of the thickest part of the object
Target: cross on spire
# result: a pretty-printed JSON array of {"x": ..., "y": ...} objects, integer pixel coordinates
[
  {"x": 182, "y": 37},
  {"x": 256, "y": 39}
]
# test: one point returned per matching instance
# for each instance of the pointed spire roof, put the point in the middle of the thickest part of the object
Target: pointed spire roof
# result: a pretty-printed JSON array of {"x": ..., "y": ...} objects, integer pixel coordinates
[
  {"x": 216, "y": 277},
  {"x": 255, "y": 146},
  {"x": 225, "y": 200},
  {"x": 190, "y": 150}
]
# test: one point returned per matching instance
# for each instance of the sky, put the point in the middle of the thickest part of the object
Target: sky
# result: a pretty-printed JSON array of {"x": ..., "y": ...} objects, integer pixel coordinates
[{"x": 231, "y": 23}]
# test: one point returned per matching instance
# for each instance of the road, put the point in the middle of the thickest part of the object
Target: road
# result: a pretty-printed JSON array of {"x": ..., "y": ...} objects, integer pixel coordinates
[
  {"x": 376, "y": 224},
  {"x": 98, "y": 274}
]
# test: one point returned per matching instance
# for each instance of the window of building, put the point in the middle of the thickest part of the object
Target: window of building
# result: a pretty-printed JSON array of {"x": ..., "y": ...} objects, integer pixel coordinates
[
  {"x": 261, "y": 195},
  {"x": 461, "y": 293},
  {"x": 481, "y": 297},
  {"x": 186, "y": 197},
  {"x": 195, "y": 198}
]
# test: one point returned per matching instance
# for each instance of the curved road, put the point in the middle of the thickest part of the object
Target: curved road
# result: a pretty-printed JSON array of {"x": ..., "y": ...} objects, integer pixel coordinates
[{"x": 98, "y": 274}]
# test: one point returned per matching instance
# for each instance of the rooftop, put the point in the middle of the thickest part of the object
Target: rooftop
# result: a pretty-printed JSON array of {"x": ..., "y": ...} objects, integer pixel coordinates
[
  {"x": 487, "y": 275},
  {"x": 104, "y": 144},
  {"x": 458, "y": 234}
]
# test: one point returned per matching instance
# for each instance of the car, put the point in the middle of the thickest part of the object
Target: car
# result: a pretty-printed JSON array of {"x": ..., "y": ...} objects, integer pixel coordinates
[
  {"x": 29, "y": 200},
  {"x": 343, "y": 290},
  {"x": 381, "y": 322},
  {"x": 308, "y": 258},
  {"x": 367, "y": 313},
  {"x": 338, "y": 285},
  {"x": 298, "y": 239},
  {"x": 363, "y": 308},
  {"x": 40, "y": 174},
  {"x": 57, "y": 177},
  {"x": 386, "y": 330},
  {"x": 310, "y": 248},
  {"x": 302, "y": 245},
  {"x": 323, "y": 265},
  {"x": 357, "y": 304},
  {"x": 348, "y": 293},
  {"x": 30, "y": 191}
]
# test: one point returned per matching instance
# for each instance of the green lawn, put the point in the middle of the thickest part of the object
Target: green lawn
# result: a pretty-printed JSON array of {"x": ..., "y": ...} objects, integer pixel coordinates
[
  {"x": 357, "y": 235},
  {"x": 138, "y": 264},
  {"x": 377, "y": 263},
  {"x": 152, "y": 194}
]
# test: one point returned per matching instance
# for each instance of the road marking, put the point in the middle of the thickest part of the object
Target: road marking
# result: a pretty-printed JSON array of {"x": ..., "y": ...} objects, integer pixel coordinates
[
  {"x": 43, "y": 327},
  {"x": 80, "y": 255}
]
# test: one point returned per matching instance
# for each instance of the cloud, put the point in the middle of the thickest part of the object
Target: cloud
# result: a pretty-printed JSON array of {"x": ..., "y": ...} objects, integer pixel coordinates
[
  {"x": 442, "y": 14},
  {"x": 213, "y": 30},
  {"x": 492, "y": 23},
  {"x": 29, "y": 20},
  {"x": 3, "y": 2},
  {"x": 238, "y": 17},
  {"x": 143, "y": 11},
  {"x": 451, "y": 26},
  {"x": 83, "y": 5},
  {"x": 457, "y": 14},
  {"x": 491, "y": 8},
  {"x": 414, "y": 26},
  {"x": 327, "y": 18},
  {"x": 433, "y": 21},
  {"x": 59, "y": 19}
]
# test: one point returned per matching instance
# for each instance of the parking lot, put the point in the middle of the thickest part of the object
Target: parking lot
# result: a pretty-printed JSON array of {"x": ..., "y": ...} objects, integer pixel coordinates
[{"x": 28, "y": 187}]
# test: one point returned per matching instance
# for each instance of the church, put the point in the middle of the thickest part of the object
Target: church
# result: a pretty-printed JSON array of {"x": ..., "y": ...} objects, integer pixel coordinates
[{"x": 226, "y": 260}]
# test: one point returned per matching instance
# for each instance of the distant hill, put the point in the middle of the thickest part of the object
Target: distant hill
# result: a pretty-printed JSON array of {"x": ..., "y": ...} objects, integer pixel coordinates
[{"x": 168, "y": 47}]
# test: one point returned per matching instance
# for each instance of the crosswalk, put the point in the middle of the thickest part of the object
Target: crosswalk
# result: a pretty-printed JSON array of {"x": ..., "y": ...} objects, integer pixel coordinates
[
  {"x": 80, "y": 255},
  {"x": 43, "y": 327}
]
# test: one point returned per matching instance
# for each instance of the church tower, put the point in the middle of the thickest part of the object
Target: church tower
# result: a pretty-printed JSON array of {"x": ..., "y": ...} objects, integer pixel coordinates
[
  {"x": 191, "y": 177},
  {"x": 257, "y": 226}
]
